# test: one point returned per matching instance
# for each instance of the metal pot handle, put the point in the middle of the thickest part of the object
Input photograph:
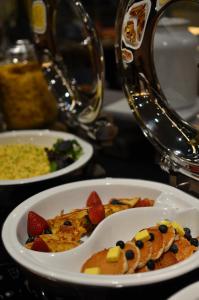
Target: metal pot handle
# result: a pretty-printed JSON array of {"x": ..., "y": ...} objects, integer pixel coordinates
[
  {"x": 44, "y": 14},
  {"x": 175, "y": 139}
]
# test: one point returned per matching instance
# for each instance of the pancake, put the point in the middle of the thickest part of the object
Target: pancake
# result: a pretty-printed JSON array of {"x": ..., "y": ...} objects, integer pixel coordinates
[
  {"x": 99, "y": 260},
  {"x": 132, "y": 263},
  {"x": 167, "y": 259},
  {"x": 185, "y": 249},
  {"x": 145, "y": 254},
  {"x": 142, "y": 270},
  {"x": 157, "y": 243},
  {"x": 168, "y": 238}
]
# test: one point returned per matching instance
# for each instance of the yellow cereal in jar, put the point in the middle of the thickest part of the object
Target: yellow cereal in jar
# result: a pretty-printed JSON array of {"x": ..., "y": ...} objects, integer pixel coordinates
[{"x": 19, "y": 161}]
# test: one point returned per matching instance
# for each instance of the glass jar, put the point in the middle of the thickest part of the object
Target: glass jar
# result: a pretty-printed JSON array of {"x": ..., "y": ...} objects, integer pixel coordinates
[
  {"x": 51, "y": 50},
  {"x": 26, "y": 101}
]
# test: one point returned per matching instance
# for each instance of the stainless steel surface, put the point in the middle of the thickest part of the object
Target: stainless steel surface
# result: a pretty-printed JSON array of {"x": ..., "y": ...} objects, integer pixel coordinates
[
  {"x": 80, "y": 103},
  {"x": 174, "y": 138}
]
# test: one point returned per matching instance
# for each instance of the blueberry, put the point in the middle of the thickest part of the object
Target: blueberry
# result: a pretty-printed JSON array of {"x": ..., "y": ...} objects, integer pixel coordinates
[
  {"x": 129, "y": 254},
  {"x": 47, "y": 231},
  {"x": 187, "y": 236},
  {"x": 174, "y": 248},
  {"x": 194, "y": 242},
  {"x": 139, "y": 244},
  {"x": 187, "y": 230},
  {"x": 68, "y": 223},
  {"x": 151, "y": 237},
  {"x": 121, "y": 244},
  {"x": 151, "y": 264},
  {"x": 163, "y": 228}
]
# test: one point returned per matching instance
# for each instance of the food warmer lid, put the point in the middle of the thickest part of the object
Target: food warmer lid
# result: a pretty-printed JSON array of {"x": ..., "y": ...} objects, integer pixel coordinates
[
  {"x": 174, "y": 138},
  {"x": 68, "y": 45}
]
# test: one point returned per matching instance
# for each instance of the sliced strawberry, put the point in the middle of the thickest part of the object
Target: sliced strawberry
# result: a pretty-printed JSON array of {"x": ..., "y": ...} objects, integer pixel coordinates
[
  {"x": 144, "y": 203},
  {"x": 93, "y": 199},
  {"x": 96, "y": 213},
  {"x": 36, "y": 224},
  {"x": 40, "y": 245}
]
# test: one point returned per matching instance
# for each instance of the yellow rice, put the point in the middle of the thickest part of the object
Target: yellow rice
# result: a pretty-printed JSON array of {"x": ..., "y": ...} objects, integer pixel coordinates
[{"x": 19, "y": 161}]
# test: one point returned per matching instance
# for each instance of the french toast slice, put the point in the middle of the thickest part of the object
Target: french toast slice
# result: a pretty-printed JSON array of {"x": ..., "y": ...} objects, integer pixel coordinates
[
  {"x": 55, "y": 243},
  {"x": 130, "y": 202}
]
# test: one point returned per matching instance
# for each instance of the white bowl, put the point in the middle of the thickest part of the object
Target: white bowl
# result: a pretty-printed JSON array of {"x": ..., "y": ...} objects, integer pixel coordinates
[
  {"x": 45, "y": 138},
  {"x": 190, "y": 292},
  {"x": 56, "y": 267}
]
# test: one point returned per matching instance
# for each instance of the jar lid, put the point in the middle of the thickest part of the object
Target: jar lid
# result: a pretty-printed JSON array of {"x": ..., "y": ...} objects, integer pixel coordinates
[{"x": 23, "y": 50}]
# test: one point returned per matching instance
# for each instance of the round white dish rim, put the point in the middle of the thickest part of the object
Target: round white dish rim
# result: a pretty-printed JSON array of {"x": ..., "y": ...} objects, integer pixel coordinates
[
  {"x": 23, "y": 257},
  {"x": 33, "y": 135}
]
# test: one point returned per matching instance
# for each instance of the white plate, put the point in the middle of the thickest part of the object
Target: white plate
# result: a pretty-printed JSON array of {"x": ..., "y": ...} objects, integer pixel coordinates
[
  {"x": 191, "y": 292},
  {"x": 50, "y": 202},
  {"x": 45, "y": 138}
]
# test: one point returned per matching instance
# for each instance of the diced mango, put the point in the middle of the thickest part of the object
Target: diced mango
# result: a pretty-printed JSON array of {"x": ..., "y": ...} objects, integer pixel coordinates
[
  {"x": 178, "y": 228},
  {"x": 142, "y": 235},
  {"x": 113, "y": 254},
  {"x": 92, "y": 271}
]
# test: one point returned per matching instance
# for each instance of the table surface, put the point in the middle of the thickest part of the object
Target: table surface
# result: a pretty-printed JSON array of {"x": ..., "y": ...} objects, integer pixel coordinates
[{"x": 130, "y": 156}]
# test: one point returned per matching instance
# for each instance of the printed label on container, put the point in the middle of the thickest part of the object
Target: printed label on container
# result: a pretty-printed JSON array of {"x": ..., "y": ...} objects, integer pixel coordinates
[
  {"x": 134, "y": 24},
  {"x": 127, "y": 55},
  {"x": 39, "y": 17}
]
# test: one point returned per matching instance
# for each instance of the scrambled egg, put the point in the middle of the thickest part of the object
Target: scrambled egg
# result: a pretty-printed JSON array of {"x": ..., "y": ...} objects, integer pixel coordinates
[{"x": 22, "y": 161}]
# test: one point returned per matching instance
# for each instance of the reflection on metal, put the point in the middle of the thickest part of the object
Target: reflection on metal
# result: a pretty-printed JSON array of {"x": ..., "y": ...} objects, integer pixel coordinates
[
  {"x": 184, "y": 183},
  {"x": 175, "y": 139},
  {"x": 194, "y": 30},
  {"x": 79, "y": 105}
]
